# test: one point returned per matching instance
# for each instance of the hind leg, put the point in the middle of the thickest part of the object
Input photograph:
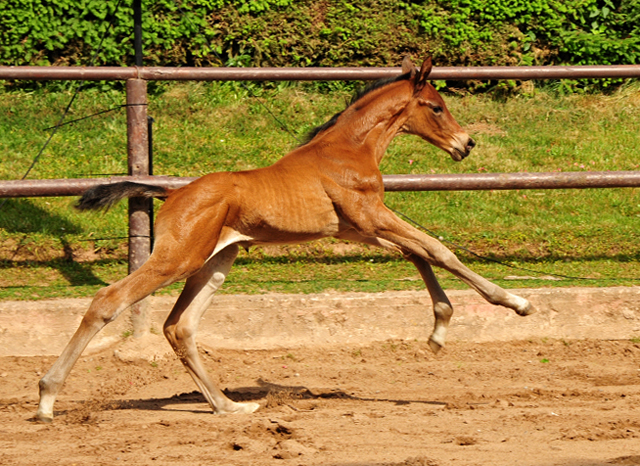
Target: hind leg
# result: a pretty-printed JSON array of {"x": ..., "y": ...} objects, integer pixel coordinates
[
  {"x": 108, "y": 303},
  {"x": 182, "y": 324}
]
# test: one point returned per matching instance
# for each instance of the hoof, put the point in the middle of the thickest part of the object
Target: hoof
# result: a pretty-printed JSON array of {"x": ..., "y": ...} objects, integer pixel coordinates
[
  {"x": 435, "y": 346},
  {"x": 248, "y": 408},
  {"x": 45, "y": 418},
  {"x": 240, "y": 408},
  {"x": 527, "y": 310}
]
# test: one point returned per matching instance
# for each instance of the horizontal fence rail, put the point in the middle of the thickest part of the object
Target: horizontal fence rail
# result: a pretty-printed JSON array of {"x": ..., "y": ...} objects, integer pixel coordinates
[
  {"x": 311, "y": 73},
  {"x": 437, "y": 182},
  {"x": 504, "y": 181}
]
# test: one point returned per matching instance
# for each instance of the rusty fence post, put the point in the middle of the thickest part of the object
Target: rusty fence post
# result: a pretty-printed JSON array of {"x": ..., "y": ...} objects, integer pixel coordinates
[{"x": 140, "y": 210}]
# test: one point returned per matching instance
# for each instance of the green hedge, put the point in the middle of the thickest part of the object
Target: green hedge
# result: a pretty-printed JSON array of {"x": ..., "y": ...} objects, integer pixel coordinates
[{"x": 322, "y": 32}]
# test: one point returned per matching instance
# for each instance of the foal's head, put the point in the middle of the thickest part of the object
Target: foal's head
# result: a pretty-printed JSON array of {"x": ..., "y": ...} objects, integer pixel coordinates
[{"x": 428, "y": 116}]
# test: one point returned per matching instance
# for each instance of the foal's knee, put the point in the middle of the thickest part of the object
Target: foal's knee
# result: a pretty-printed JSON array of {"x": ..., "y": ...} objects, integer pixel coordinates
[{"x": 443, "y": 311}]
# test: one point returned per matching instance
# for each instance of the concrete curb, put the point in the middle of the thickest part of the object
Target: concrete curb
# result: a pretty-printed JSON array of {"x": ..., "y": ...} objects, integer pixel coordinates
[{"x": 285, "y": 320}]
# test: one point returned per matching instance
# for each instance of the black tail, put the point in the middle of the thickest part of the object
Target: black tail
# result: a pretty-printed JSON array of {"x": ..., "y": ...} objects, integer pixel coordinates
[{"x": 104, "y": 196}]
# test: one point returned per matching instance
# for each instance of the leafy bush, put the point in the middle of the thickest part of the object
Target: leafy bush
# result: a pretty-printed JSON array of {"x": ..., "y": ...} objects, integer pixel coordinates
[{"x": 322, "y": 32}]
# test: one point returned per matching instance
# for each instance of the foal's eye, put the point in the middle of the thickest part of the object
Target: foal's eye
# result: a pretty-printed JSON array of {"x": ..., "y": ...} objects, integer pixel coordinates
[{"x": 437, "y": 110}]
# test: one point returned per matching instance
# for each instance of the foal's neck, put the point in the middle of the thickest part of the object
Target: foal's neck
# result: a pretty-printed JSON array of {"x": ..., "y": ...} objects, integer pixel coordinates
[{"x": 370, "y": 124}]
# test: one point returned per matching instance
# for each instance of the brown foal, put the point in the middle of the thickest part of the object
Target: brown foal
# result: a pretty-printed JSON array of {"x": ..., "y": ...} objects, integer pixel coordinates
[{"x": 329, "y": 186}]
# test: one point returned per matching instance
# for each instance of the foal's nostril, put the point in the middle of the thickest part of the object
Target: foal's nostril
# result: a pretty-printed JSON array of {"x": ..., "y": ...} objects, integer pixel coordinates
[{"x": 471, "y": 144}]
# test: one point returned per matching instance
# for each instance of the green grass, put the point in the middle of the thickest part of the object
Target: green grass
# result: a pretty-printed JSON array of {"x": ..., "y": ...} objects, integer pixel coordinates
[{"x": 49, "y": 250}]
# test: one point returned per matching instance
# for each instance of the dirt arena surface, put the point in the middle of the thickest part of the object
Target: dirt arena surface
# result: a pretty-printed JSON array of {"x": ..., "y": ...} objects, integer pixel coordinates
[{"x": 542, "y": 402}]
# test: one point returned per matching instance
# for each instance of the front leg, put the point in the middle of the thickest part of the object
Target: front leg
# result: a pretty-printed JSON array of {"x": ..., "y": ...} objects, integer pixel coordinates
[
  {"x": 435, "y": 253},
  {"x": 371, "y": 218},
  {"x": 442, "y": 308}
]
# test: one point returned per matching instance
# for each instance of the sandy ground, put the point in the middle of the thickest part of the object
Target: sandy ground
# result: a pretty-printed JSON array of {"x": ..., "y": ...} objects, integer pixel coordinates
[{"x": 550, "y": 402}]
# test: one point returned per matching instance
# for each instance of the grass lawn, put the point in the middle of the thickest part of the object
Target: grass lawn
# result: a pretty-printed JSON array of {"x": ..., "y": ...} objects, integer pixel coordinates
[{"x": 49, "y": 250}]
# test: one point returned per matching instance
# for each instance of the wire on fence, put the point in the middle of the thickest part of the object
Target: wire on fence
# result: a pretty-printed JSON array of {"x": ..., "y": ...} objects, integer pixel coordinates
[{"x": 73, "y": 98}]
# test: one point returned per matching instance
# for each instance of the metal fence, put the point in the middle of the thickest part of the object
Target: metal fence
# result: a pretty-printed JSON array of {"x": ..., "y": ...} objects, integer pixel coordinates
[{"x": 140, "y": 214}]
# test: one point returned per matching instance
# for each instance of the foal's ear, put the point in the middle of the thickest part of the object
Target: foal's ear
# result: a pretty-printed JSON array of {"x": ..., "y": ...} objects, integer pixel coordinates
[
  {"x": 423, "y": 74},
  {"x": 408, "y": 66}
]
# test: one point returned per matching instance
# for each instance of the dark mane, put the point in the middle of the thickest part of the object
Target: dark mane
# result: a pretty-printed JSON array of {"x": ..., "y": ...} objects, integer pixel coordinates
[{"x": 359, "y": 94}]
